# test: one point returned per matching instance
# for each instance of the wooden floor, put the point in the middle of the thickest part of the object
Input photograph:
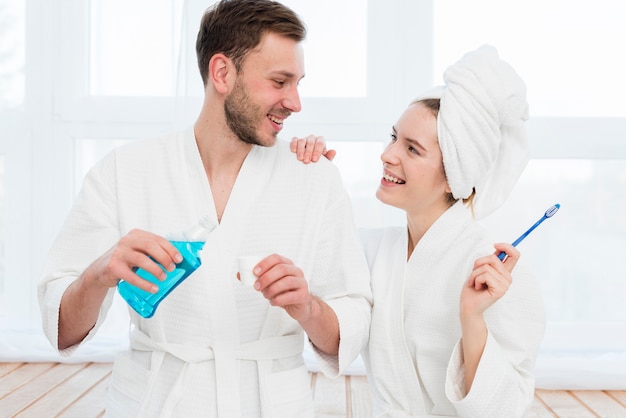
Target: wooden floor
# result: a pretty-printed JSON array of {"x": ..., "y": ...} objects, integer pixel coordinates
[{"x": 77, "y": 390}]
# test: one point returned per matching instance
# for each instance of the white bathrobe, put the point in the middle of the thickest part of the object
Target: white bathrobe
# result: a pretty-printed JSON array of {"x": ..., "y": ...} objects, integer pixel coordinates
[
  {"x": 214, "y": 346},
  {"x": 414, "y": 360}
]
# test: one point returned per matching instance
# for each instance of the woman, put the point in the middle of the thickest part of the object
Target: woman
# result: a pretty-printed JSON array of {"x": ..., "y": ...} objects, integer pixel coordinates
[{"x": 455, "y": 331}]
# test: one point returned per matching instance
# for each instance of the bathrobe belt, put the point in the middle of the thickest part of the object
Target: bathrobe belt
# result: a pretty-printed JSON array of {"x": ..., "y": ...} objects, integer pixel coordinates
[{"x": 263, "y": 351}]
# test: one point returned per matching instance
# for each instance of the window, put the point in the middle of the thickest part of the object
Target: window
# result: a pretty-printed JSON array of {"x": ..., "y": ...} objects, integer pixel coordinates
[
  {"x": 11, "y": 54},
  {"x": 14, "y": 159},
  {"x": 133, "y": 47},
  {"x": 573, "y": 252},
  {"x": 336, "y": 45},
  {"x": 575, "y": 99},
  {"x": 131, "y": 55},
  {"x": 2, "y": 234},
  {"x": 570, "y": 53}
]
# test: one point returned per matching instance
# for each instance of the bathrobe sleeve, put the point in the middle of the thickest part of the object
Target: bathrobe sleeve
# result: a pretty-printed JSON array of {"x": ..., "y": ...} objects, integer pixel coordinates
[
  {"x": 504, "y": 381},
  {"x": 348, "y": 291},
  {"x": 92, "y": 220}
]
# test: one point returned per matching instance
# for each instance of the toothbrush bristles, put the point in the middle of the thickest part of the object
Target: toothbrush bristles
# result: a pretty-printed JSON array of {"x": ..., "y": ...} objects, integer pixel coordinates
[{"x": 552, "y": 210}]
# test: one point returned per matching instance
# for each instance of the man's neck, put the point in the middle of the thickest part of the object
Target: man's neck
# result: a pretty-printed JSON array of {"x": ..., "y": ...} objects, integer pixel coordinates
[
  {"x": 222, "y": 157},
  {"x": 221, "y": 152}
]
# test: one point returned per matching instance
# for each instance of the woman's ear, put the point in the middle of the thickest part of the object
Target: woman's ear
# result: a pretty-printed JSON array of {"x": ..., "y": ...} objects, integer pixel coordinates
[{"x": 221, "y": 72}]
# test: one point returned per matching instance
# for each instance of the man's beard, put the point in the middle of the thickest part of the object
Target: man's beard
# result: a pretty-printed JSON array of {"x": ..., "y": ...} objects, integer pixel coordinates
[{"x": 243, "y": 116}]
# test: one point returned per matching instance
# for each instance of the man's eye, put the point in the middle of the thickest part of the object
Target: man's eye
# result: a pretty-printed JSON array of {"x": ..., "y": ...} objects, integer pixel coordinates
[{"x": 280, "y": 83}]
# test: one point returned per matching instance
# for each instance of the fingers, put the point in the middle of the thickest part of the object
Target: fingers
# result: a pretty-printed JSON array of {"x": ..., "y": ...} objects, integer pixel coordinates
[
  {"x": 512, "y": 255},
  {"x": 308, "y": 149},
  {"x": 281, "y": 282},
  {"x": 330, "y": 154},
  {"x": 319, "y": 147},
  {"x": 489, "y": 280},
  {"x": 298, "y": 145},
  {"x": 484, "y": 288},
  {"x": 311, "y": 148},
  {"x": 486, "y": 277},
  {"x": 140, "y": 250}
]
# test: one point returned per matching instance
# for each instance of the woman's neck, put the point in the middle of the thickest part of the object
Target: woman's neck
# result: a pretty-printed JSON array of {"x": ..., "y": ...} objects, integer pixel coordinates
[{"x": 419, "y": 224}]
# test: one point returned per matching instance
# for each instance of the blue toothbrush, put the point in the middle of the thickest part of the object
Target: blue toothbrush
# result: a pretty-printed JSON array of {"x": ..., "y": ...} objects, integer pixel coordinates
[{"x": 549, "y": 213}]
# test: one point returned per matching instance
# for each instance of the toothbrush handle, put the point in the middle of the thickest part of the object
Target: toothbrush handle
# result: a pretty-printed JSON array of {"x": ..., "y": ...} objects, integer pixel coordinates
[{"x": 524, "y": 235}]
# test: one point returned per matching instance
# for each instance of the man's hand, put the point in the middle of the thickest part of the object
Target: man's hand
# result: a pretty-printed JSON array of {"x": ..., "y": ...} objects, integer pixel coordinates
[
  {"x": 311, "y": 148},
  {"x": 81, "y": 301},
  {"x": 283, "y": 284},
  {"x": 137, "y": 249}
]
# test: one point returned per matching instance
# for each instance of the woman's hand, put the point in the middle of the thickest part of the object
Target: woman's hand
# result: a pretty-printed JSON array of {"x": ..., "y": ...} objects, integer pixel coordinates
[
  {"x": 489, "y": 281},
  {"x": 311, "y": 148}
]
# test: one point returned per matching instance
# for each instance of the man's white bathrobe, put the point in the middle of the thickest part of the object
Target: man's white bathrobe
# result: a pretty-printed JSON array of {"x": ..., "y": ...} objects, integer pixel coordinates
[
  {"x": 214, "y": 346},
  {"x": 414, "y": 359}
]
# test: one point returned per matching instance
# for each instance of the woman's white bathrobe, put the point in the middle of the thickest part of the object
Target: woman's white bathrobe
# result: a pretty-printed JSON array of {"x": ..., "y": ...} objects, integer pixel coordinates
[
  {"x": 414, "y": 360},
  {"x": 215, "y": 347}
]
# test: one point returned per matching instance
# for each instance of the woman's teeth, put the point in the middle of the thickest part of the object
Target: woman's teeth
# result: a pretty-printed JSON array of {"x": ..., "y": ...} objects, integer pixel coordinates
[{"x": 392, "y": 179}]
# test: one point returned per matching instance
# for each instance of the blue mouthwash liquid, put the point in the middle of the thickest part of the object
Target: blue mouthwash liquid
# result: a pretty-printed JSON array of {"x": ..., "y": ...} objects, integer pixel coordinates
[{"x": 145, "y": 303}]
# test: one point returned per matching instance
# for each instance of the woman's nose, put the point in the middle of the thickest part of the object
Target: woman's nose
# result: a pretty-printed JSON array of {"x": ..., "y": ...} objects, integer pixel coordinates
[{"x": 388, "y": 155}]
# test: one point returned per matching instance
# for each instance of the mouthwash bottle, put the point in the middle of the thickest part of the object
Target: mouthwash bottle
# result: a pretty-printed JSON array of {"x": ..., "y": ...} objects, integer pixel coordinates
[{"x": 188, "y": 243}]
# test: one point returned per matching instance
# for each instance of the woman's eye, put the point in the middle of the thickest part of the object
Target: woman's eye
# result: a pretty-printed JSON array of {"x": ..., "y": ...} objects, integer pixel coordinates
[
  {"x": 393, "y": 138},
  {"x": 413, "y": 150}
]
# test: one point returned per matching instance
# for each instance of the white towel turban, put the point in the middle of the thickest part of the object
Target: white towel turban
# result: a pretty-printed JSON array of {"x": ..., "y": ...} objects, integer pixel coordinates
[{"x": 481, "y": 128}]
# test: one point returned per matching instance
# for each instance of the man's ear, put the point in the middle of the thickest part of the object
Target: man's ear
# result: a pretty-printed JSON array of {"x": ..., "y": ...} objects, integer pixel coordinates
[{"x": 221, "y": 73}]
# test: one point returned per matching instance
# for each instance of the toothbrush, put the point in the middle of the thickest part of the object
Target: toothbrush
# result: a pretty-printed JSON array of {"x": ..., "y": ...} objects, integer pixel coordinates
[{"x": 549, "y": 213}]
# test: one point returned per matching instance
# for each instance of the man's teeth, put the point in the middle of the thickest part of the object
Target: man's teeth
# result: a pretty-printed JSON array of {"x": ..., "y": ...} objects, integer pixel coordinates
[
  {"x": 275, "y": 120},
  {"x": 392, "y": 179}
]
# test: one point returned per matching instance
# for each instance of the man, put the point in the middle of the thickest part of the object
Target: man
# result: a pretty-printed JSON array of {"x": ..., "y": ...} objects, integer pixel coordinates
[{"x": 215, "y": 347}]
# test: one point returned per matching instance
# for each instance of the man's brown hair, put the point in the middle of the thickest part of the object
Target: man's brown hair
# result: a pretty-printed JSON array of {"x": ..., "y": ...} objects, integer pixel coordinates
[{"x": 235, "y": 27}]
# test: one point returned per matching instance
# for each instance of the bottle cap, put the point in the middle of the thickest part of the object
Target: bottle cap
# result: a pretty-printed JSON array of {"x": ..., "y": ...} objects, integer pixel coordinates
[{"x": 201, "y": 231}]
